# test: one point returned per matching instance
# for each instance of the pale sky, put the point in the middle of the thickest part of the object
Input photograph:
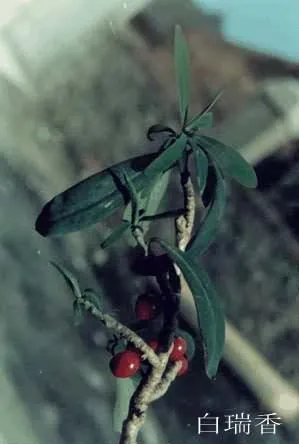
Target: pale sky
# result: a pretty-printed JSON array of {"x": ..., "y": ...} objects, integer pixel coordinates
[{"x": 270, "y": 25}]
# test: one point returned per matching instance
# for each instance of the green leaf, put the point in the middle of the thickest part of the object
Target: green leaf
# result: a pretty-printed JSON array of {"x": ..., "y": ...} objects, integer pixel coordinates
[
  {"x": 94, "y": 298},
  {"x": 200, "y": 121},
  {"x": 167, "y": 158},
  {"x": 209, "y": 226},
  {"x": 127, "y": 214},
  {"x": 155, "y": 197},
  {"x": 116, "y": 234},
  {"x": 204, "y": 119},
  {"x": 78, "y": 313},
  {"x": 181, "y": 55},
  {"x": 135, "y": 200},
  {"x": 201, "y": 165},
  {"x": 157, "y": 193},
  {"x": 164, "y": 215},
  {"x": 142, "y": 199},
  {"x": 209, "y": 311},
  {"x": 124, "y": 391},
  {"x": 71, "y": 281},
  {"x": 219, "y": 320},
  {"x": 230, "y": 161},
  {"x": 158, "y": 129},
  {"x": 93, "y": 199},
  {"x": 118, "y": 346}
]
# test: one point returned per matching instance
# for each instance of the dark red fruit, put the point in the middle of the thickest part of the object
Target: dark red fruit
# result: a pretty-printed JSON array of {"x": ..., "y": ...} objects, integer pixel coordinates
[
  {"x": 184, "y": 367},
  {"x": 179, "y": 349},
  {"x": 125, "y": 364},
  {"x": 147, "y": 307}
]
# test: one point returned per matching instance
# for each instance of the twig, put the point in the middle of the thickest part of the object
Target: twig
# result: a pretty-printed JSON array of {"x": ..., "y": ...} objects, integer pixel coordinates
[
  {"x": 152, "y": 386},
  {"x": 138, "y": 235},
  {"x": 122, "y": 331},
  {"x": 163, "y": 386},
  {"x": 140, "y": 401},
  {"x": 184, "y": 223},
  {"x": 159, "y": 377}
]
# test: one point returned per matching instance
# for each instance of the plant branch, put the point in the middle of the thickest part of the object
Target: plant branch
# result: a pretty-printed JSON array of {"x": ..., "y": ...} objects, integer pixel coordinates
[
  {"x": 156, "y": 383},
  {"x": 151, "y": 387},
  {"x": 163, "y": 386},
  {"x": 138, "y": 235},
  {"x": 184, "y": 223},
  {"x": 140, "y": 401},
  {"x": 121, "y": 331}
]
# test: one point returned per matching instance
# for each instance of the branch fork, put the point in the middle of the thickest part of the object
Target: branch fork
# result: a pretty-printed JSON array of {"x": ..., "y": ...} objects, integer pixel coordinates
[{"x": 152, "y": 386}]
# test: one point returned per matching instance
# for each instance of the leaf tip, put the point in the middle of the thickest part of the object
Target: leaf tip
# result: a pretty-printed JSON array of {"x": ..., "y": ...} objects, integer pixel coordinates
[
  {"x": 42, "y": 223},
  {"x": 254, "y": 181},
  {"x": 212, "y": 368}
]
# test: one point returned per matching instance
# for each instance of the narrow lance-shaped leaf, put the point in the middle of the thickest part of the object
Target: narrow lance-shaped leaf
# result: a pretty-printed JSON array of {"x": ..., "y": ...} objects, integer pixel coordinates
[
  {"x": 116, "y": 345},
  {"x": 135, "y": 199},
  {"x": 164, "y": 215},
  {"x": 155, "y": 197},
  {"x": 71, "y": 281},
  {"x": 208, "y": 228},
  {"x": 181, "y": 55},
  {"x": 92, "y": 199},
  {"x": 219, "y": 318},
  {"x": 148, "y": 201},
  {"x": 94, "y": 298},
  {"x": 204, "y": 119},
  {"x": 200, "y": 121},
  {"x": 78, "y": 313},
  {"x": 230, "y": 161},
  {"x": 201, "y": 165},
  {"x": 158, "y": 129},
  {"x": 167, "y": 158},
  {"x": 209, "y": 311},
  {"x": 142, "y": 199}
]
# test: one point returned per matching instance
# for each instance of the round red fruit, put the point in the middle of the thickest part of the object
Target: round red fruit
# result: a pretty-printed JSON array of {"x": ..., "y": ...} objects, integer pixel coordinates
[
  {"x": 125, "y": 364},
  {"x": 146, "y": 307},
  {"x": 184, "y": 366},
  {"x": 179, "y": 349}
]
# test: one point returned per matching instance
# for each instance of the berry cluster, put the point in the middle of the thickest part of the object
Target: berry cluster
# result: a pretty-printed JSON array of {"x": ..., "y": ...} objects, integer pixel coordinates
[{"x": 128, "y": 362}]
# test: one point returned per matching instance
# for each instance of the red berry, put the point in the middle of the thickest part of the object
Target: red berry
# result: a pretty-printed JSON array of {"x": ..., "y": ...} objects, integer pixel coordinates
[
  {"x": 125, "y": 364},
  {"x": 179, "y": 349},
  {"x": 184, "y": 366},
  {"x": 147, "y": 307}
]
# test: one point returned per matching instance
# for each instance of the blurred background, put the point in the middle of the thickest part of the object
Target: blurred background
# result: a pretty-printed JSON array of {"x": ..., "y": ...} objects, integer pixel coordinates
[{"x": 79, "y": 86}]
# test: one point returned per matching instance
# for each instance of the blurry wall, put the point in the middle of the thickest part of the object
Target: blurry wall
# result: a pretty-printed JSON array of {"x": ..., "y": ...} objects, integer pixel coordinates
[{"x": 33, "y": 32}]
